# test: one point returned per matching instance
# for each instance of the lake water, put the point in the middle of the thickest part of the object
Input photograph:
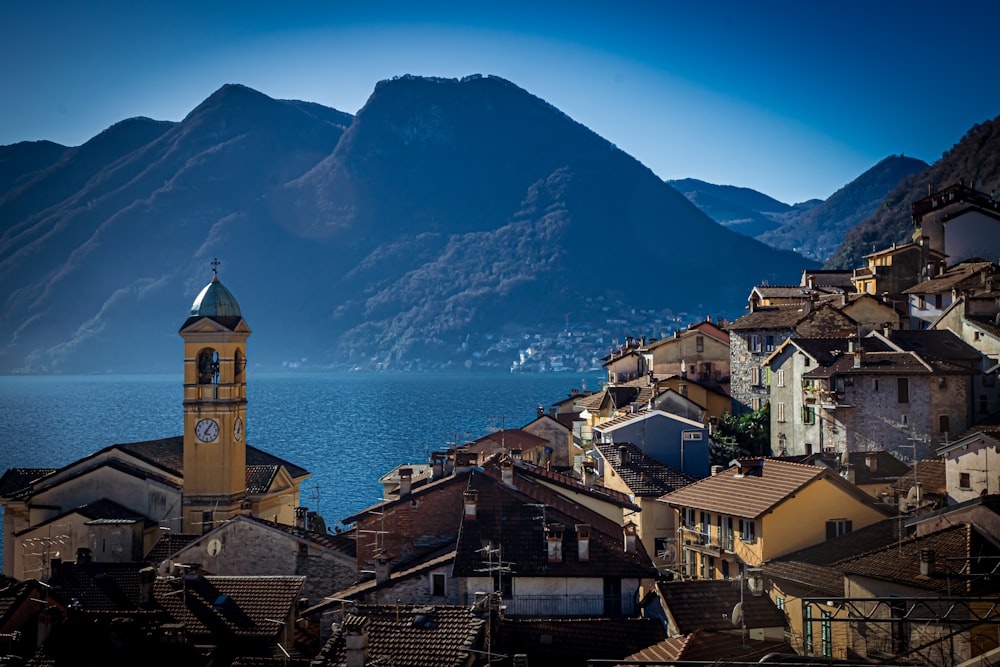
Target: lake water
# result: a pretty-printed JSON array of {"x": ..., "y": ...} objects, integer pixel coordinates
[{"x": 346, "y": 428}]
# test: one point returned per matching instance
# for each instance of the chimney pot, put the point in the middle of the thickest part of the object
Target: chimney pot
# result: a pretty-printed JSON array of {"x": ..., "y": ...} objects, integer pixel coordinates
[
  {"x": 554, "y": 540},
  {"x": 927, "y": 562},
  {"x": 583, "y": 541},
  {"x": 471, "y": 498},
  {"x": 405, "y": 481},
  {"x": 630, "y": 537}
]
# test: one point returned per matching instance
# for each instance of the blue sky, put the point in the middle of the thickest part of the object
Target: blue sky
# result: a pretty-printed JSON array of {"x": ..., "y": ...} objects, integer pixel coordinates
[{"x": 794, "y": 99}]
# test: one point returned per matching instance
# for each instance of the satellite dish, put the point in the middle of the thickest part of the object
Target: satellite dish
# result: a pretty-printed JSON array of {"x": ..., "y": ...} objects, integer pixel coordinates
[
  {"x": 668, "y": 553},
  {"x": 214, "y": 547},
  {"x": 737, "y": 616}
]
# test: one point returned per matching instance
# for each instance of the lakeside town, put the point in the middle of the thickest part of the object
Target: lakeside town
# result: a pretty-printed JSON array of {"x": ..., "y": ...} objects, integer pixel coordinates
[{"x": 809, "y": 482}]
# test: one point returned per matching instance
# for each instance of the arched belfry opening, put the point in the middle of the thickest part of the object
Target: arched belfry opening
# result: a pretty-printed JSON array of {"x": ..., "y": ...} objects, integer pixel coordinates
[{"x": 208, "y": 366}]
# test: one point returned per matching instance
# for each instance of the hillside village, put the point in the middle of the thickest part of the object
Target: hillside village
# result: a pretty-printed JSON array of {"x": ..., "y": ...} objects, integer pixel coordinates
[{"x": 636, "y": 522}]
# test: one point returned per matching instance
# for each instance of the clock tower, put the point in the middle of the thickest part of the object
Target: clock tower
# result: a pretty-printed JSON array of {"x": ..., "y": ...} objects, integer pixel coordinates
[{"x": 215, "y": 402}]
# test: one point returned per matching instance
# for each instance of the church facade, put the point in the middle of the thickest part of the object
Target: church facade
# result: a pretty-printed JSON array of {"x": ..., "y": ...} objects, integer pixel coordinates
[{"x": 119, "y": 501}]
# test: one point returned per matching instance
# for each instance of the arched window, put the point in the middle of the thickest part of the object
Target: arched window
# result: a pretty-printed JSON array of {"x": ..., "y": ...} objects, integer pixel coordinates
[
  {"x": 208, "y": 366},
  {"x": 240, "y": 365}
]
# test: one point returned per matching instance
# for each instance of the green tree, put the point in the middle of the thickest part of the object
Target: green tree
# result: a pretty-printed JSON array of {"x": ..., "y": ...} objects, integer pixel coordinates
[{"x": 748, "y": 434}]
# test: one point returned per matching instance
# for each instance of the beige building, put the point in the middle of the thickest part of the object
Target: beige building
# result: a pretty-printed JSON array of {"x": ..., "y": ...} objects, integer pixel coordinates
[{"x": 117, "y": 501}]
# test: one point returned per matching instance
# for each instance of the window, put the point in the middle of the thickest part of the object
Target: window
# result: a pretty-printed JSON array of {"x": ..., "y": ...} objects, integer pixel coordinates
[
  {"x": 725, "y": 568},
  {"x": 754, "y": 344},
  {"x": 838, "y": 527},
  {"x": 779, "y": 409},
  {"x": 688, "y": 517},
  {"x": 964, "y": 482},
  {"x": 755, "y": 375},
  {"x": 807, "y": 629},
  {"x": 437, "y": 584},
  {"x": 875, "y": 384},
  {"x": 943, "y": 424},
  {"x": 206, "y": 521},
  {"x": 705, "y": 528},
  {"x": 779, "y": 602},
  {"x": 826, "y": 634},
  {"x": 699, "y": 343},
  {"x": 808, "y": 414},
  {"x": 938, "y": 301},
  {"x": 727, "y": 539},
  {"x": 748, "y": 532},
  {"x": 781, "y": 378},
  {"x": 921, "y": 303},
  {"x": 903, "y": 390},
  {"x": 769, "y": 343}
]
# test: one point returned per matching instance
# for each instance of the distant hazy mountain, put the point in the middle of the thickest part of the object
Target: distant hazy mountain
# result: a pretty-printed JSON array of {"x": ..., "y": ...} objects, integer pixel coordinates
[
  {"x": 975, "y": 160},
  {"x": 444, "y": 210},
  {"x": 819, "y": 231},
  {"x": 814, "y": 228},
  {"x": 741, "y": 209}
]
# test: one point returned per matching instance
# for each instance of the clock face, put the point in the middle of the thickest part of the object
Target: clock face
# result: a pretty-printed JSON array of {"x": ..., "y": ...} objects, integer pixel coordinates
[
  {"x": 207, "y": 430},
  {"x": 238, "y": 429}
]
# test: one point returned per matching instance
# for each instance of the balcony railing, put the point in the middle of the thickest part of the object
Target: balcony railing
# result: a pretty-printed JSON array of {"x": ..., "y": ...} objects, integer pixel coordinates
[{"x": 568, "y": 605}]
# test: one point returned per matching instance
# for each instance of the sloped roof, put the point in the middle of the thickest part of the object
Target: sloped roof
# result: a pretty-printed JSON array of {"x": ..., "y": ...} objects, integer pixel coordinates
[
  {"x": 16, "y": 482},
  {"x": 958, "y": 276},
  {"x": 929, "y": 472},
  {"x": 707, "y": 605},
  {"x": 711, "y": 646},
  {"x": 621, "y": 420},
  {"x": 98, "y": 586},
  {"x": 818, "y": 566},
  {"x": 889, "y": 363},
  {"x": 642, "y": 474},
  {"x": 416, "y": 636},
  {"x": 574, "y": 485},
  {"x": 748, "y": 496},
  {"x": 516, "y": 518},
  {"x": 771, "y": 317},
  {"x": 229, "y": 607},
  {"x": 573, "y": 641},
  {"x": 169, "y": 544},
  {"x": 900, "y": 562}
]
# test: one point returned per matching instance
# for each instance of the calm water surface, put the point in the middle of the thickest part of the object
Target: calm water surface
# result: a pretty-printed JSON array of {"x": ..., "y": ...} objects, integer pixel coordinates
[{"x": 346, "y": 428}]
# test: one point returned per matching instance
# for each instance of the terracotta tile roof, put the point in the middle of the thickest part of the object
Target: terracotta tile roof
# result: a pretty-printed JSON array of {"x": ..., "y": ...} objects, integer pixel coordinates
[
  {"x": 818, "y": 566},
  {"x": 344, "y": 542},
  {"x": 228, "y": 607},
  {"x": 571, "y": 642},
  {"x": 931, "y": 475},
  {"x": 889, "y": 363},
  {"x": 712, "y": 646},
  {"x": 98, "y": 586},
  {"x": 707, "y": 605},
  {"x": 511, "y": 438},
  {"x": 169, "y": 544},
  {"x": 416, "y": 636},
  {"x": 771, "y": 317},
  {"x": 16, "y": 481},
  {"x": 875, "y": 467},
  {"x": 645, "y": 476},
  {"x": 988, "y": 324},
  {"x": 963, "y": 275},
  {"x": 747, "y": 496},
  {"x": 516, "y": 518},
  {"x": 900, "y": 562},
  {"x": 572, "y": 484}
]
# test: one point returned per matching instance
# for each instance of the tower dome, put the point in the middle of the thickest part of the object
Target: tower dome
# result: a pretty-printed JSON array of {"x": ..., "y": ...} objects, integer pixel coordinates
[{"x": 215, "y": 301}]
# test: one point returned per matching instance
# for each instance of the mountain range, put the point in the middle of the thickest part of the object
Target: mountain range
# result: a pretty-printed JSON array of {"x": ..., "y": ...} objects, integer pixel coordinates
[{"x": 445, "y": 211}]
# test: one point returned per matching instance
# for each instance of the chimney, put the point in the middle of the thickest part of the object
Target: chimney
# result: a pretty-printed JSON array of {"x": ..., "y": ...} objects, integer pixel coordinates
[
  {"x": 383, "y": 566},
  {"x": 927, "y": 561},
  {"x": 554, "y": 540},
  {"x": 405, "y": 481},
  {"x": 871, "y": 462},
  {"x": 624, "y": 456},
  {"x": 716, "y": 470},
  {"x": 859, "y": 355},
  {"x": 84, "y": 556},
  {"x": 553, "y": 412},
  {"x": 356, "y": 634},
  {"x": 147, "y": 576},
  {"x": 300, "y": 517},
  {"x": 540, "y": 411},
  {"x": 630, "y": 537},
  {"x": 583, "y": 541},
  {"x": 438, "y": 461},
  {"x": 507, "y": 472},
  {"x": 471, "y": 499},
  {"x": 811, "y": 282},
  {"x": 589, "y": 472},
  {"x": 465, "y": 462}
]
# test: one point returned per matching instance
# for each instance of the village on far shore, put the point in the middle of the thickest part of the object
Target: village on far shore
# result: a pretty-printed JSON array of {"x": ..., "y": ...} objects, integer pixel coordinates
[{"x": 808, "y": 483}]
